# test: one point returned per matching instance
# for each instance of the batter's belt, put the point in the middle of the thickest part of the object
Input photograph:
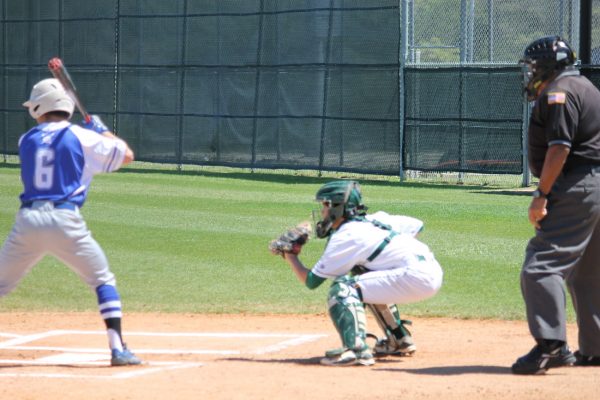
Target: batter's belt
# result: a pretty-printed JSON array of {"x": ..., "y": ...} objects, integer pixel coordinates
[{"x": 59, "y": 205}]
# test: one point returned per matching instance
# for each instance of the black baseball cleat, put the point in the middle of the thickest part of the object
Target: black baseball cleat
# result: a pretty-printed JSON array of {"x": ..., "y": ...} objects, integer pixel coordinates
[
  {"x": 541, "y": 358},
  {"x": 565, "y": 358},
  {"x": 586, "y": 361}
]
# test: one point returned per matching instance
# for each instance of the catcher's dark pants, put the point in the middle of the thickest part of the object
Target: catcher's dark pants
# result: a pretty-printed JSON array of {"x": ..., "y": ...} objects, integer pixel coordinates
[{"x": 566, "y": 248}]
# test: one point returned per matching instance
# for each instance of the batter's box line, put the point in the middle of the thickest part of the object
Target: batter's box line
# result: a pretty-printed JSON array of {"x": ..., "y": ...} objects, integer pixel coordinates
[
  {"x": 297, "y": 341},
  {"x": 133, "y": 372},
  {"x": 90, "y": 356},
  {"x": 292, "y": 340},
  {"x": 9, "y": 335}
]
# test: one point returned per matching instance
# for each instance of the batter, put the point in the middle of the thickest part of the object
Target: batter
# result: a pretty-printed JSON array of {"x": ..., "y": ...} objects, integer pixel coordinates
[{"x": 58, "y": 161}]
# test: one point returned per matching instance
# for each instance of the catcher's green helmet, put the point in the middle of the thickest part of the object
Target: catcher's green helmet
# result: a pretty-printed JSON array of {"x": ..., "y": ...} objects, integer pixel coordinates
[{"x": 344, "y": 200}]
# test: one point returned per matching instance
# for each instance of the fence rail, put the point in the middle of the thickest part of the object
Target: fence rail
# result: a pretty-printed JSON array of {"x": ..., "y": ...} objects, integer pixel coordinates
[{"x": 384, "y": 87}]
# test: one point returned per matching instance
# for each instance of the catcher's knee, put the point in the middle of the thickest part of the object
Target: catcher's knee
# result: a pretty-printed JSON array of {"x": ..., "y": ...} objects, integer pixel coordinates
[
  {"x": 347, "y": 312},
  {"x": 344, "y": 289}
]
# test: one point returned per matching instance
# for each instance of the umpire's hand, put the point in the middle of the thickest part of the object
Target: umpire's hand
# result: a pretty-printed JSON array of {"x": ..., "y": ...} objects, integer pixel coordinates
[{"x": 537, "y": 211}]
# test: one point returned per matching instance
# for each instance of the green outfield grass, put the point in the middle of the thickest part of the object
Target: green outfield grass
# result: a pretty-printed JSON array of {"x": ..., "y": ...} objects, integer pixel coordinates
[{"x": 196, "y": 241}]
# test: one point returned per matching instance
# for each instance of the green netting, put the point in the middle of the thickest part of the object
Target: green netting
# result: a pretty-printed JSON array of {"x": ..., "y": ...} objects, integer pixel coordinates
[
  {"x": 464, "y": 119},
  {"x": 384, "y": 86}
]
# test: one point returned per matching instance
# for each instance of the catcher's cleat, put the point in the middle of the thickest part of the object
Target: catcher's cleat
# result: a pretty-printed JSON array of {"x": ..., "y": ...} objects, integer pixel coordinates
[
  {"x": 346, "y": 358},
  {"x": 365, "y": 357},
  {"x": 400, "y": 347},
  {"x": 333, "y": 353},
  {"x": 122, "y": 358},
  {"x": 537, "y": 361}
]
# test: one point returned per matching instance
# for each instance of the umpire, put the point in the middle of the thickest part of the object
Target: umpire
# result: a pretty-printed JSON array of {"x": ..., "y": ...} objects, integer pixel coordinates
[{"x": 564, "y": 153}]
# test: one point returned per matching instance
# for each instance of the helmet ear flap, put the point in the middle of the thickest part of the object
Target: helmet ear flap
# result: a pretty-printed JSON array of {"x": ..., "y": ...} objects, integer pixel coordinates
[
  {"x": 49, "y": 95},
  {"x": 564, "y": 54},
  {"x": 353, "y": 201},
  {"x": 343, "y": 199}
]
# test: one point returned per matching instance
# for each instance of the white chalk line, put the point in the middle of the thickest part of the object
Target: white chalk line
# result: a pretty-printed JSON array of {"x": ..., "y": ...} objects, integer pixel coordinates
[
  {"x": 133, "y": 372},
  {"x": 9, "y": 335},
  {"x": 137, "y": 351},
  {"x": 98, "y": 357},
  {"x": 297, "y": 341}
]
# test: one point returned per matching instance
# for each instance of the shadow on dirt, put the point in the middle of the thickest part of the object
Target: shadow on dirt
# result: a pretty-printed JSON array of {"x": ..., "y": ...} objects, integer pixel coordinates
[
  {"x": 299, "y": 361},
  {"x": 313, "y": 361},
  {"x": 455, "y": 370}
]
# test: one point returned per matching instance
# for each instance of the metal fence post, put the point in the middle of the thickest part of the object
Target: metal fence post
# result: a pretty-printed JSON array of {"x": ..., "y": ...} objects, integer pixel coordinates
[
  {"x": 325, "y": 90},
  {"x": 116, "y": 67},
  {"x": 4, "y": 88},
  {"x": 585, "y": 32},
  {"x": 140, "y": 115},
  {"x": 403, "y": 30},
  {"x": 257, "y": 81},
  {"x": 491, "y": 30},
  {"x": 181, "y": 117},
  {"x": 526, "y": 181},
  {"x": 217, "y": 104}
]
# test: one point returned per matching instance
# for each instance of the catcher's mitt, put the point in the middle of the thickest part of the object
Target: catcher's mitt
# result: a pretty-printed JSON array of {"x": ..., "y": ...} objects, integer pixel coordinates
[{"x": 292, "y": 240}]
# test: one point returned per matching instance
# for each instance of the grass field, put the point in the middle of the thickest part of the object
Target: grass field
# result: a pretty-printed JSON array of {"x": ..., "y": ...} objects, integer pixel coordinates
[{"x": 196, "y": 241}]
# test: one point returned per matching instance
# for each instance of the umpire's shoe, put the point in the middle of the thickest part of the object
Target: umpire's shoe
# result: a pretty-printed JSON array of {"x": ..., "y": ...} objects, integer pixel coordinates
[
  {"x": 565, "y": 358},
  {"x": 122, "y": 358},
  {"x": 541, "y": 358},
  {"x": 586, "y": 361}
]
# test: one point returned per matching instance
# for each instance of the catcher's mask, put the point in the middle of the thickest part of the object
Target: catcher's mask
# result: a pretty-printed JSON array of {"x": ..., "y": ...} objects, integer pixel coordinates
[
  {"x": 543, "y": 59},
  {"x": 337, "y": 200}
]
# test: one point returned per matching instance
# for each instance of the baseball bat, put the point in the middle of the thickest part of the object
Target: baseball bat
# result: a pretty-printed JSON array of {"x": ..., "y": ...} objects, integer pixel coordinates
[{"x": 59, "y": 71}]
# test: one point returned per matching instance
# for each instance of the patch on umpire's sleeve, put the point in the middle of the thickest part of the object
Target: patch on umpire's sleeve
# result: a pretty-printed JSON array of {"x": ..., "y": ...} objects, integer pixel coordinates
[{"x": 557, "y": 97}]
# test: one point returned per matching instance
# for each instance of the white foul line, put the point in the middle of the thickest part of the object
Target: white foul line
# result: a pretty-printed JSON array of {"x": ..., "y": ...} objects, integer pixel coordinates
[{"x": 140, "y": 351}]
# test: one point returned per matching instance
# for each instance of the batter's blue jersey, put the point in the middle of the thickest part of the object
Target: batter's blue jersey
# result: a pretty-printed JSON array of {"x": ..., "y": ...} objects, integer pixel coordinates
[{"x": 59, "y": 159}]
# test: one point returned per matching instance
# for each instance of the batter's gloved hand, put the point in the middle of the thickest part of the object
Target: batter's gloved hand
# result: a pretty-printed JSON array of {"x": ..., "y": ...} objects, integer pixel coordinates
[
  {"x": 292, "y": 240},
  {"x": 95, "y": 124}
]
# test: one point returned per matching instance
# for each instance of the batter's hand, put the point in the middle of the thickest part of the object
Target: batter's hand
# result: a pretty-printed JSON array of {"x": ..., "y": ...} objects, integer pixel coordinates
[
  {"x": 537, "y": 211},
  {"x": 95, "y": 124}
]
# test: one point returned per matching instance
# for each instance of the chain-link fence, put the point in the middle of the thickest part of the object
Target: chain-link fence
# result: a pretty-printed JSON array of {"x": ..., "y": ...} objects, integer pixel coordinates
[
  {"x": 390, "y": 87},
  {"x": 485, "y": 31}
]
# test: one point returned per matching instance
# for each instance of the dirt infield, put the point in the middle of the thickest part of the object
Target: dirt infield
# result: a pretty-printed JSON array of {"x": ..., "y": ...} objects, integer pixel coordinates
[{"x": 63, "y": 356}]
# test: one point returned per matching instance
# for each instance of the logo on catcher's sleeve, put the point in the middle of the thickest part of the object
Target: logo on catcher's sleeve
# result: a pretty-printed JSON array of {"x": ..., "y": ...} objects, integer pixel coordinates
[
  {"x": 319, "y": 266},
  {"x": 557, "y": 98}
]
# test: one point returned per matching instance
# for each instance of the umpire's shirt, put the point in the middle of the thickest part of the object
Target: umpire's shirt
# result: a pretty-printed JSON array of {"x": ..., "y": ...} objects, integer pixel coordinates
[{"x": 566, "y": 113}]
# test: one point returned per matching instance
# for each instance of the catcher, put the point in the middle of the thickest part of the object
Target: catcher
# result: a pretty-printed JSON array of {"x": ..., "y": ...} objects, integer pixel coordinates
[{"x": 372, "y": 259}]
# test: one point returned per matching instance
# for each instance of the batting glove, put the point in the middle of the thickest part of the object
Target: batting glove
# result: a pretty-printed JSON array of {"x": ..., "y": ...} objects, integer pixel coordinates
[{"x": 95, "y": 124}]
